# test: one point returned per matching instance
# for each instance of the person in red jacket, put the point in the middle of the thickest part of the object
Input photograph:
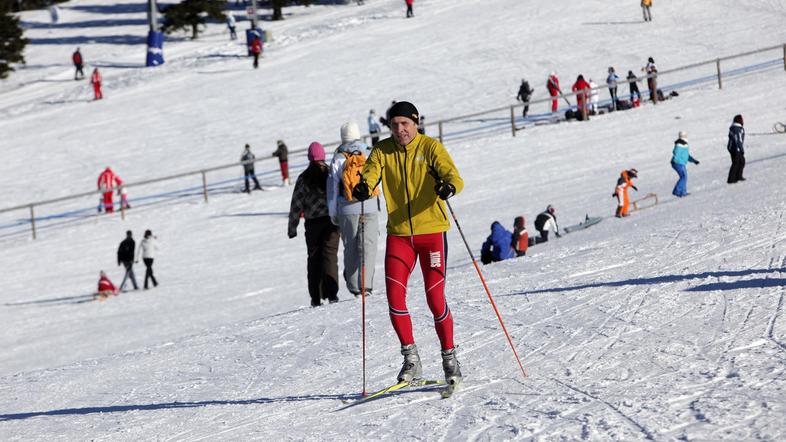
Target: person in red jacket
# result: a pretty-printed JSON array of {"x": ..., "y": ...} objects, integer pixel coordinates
[
  {"x": 552, "y": 84},
  {"x": 107, "y": 181},
  {"x": 256, "y": 50},
  {"x": 78, "y": 64},
  {"x": 409, "y": 8},
  {"x": 95, "y": 79},
  {"x": 582, "y": 97},
  {"x": 105, "y": 287}
]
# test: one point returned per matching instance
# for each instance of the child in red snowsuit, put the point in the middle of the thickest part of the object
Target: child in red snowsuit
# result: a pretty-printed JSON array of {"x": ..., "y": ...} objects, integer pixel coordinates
[
  {"x": 621, "y": 191},
  {"x": 552, "y": 84},
  {"x": 95, "y": 79},
  {"x": 106, "y": 184},
  {"x": 105, "y": 287}
]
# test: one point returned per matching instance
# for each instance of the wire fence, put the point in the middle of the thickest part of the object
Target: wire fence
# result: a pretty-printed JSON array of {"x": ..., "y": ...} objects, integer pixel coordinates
[{"x": 35, "y": 217}]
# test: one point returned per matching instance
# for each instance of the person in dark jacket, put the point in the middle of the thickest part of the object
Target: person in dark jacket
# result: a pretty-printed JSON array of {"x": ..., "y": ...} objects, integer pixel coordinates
[
  {"x": 248, "y": 169},
  {"x": 736, "y": 150},
  {"x": 125, "y": 256},
  {"x": 545, "y": 222},
  {"x": 283, "y": 156},
  {"x": 525, "y": 93},
  {"x": 76, "y": 57},
  {"x": 498, "y": 245},
  {"x": 634, "y": 87},
  {"x": 310, "y": 198}
]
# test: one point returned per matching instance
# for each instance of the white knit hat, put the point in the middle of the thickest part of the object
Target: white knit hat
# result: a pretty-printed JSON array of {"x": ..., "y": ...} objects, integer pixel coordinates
[
  {"x": 683, "y": 135},
  {"x": 350, "y": 132}
]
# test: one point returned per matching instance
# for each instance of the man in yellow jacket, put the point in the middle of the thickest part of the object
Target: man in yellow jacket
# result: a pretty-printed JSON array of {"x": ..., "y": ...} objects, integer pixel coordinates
[{"x": 417, "y": 175}]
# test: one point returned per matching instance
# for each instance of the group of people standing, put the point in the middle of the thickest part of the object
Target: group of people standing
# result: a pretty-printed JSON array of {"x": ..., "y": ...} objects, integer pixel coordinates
[
  {"x": 248, "y": 159},
  {"x": 79, "y": 73},
  {"x": 127, "y": 255},
  {"x": 416, "y": 176}
]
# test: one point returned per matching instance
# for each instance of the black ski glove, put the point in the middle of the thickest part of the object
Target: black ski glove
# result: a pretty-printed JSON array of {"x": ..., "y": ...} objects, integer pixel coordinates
[
  {"x": 292, "y": 233},
  {"x": 444, "y": 190},
  {"x": 361, "y": 192},
  {"x": 635, "y": 188}
]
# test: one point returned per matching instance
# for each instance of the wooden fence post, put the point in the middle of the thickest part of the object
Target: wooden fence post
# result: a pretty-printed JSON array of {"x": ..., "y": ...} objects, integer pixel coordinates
[
  {"x": 32, "y": 220},
  {"x": 784, "y": 56},
  {"x": 440, "y": 132},
  {"x": 122, "y": 206},
  {"x": 513, "y": 119},
  {"x": 720, "y": 80},
  {"x": 204, "y": 185}
]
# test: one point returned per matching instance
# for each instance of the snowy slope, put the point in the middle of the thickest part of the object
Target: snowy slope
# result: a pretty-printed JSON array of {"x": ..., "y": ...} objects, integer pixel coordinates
[{"x": 666, "y": 325}]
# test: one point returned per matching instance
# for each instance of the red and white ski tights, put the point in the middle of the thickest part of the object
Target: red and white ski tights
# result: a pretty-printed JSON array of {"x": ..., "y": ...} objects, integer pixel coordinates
[{"x": 400, "y": 256}]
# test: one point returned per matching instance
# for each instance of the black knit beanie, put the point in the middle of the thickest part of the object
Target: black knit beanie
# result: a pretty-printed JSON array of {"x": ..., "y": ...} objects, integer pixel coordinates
[{"x": 404, "y": 109}]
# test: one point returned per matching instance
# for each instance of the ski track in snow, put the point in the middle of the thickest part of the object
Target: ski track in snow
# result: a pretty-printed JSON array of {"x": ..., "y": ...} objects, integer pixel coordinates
[{"x": 666, "y": 325}]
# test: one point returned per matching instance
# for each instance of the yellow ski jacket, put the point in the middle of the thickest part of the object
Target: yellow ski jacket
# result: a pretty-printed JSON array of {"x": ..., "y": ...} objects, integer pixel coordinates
[{"x": 406, "y": 175}]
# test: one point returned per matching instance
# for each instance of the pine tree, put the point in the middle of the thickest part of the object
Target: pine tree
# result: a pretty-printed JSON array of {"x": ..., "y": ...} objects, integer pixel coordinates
[
  {"x": 278, "y": 5},
  {"x": 191, "y": 14},
  {"x": 12, "y": 41}
]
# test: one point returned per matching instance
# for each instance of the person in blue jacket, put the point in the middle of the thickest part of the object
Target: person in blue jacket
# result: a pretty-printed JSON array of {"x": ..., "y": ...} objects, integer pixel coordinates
[
  {"x": 679, "y": 159},
  {"x": 498, "y": 245}
]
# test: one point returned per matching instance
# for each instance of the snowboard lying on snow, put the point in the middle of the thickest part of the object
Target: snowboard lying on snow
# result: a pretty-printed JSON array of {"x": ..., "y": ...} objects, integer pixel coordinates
[{"x": 588, "y": 222}]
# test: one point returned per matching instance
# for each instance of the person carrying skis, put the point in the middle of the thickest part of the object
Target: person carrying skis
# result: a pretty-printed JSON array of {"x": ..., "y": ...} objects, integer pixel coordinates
[
  {"x": 95, "y": 80},
  {"x": 633, "y": 83},
  {"x": 107, "y": 181},
  {"x": 417, "y": 175},
  {"x": 148, "y": 248},
  {"x": 105, "y": 287},
  {"x": 582, "y": 88},
  {"x": 552, "y": 84},
  {"x": 680, "y": 157},
  {"x": 125, "y": 256},
  {"x": 373, "y": 127},
  {"x": 283, "y": 161},
  {"x": 345, "y": 210},
  {"x": 624, "y": 182},
  {"x": 76, "y": 57},
  {"x": 525, "y": 93},
  {"x": 611, "y": 82},
  {"x": 247, "y": 158},
  {"x": 498, "y": 245},
  {"x": 520, "y": 238},
  {"x": 736, "y": 150},
  {"x": 545, "y": 222},
  {"x": 310, "y": 198}
]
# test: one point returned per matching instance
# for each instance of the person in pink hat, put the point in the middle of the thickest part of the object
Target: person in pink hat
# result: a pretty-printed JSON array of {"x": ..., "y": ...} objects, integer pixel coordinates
[{"x": 310, "y": 198}]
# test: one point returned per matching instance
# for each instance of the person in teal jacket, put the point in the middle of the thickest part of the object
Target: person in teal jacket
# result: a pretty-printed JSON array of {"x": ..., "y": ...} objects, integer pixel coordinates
[{"x": 679, "y": 159}]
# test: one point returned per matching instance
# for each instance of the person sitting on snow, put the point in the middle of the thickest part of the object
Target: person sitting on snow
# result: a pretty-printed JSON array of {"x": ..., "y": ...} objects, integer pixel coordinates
[
  {"x": 105, "y": 287},
  {"x": 498, "y": 245},
  {"x": 520, "y": 241}
]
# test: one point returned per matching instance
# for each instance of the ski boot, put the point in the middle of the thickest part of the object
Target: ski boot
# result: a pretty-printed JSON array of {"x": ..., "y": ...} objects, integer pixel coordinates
[
  {"x": 451, "y": 367},
  {"x": 411, "y": 369}
]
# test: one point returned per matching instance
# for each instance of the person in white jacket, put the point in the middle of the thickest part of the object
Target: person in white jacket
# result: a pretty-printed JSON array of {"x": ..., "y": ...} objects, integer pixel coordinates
[
  {"x": 148, "y": 248},
  {"x": 345, "y": 213},
  {"x": 594, "y": 97}
]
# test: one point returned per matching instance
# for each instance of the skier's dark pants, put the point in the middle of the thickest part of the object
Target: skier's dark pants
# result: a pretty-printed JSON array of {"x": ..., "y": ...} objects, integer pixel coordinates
[
  {"x": 634, "y": 90},
  {"x": 374, "y": 138},
  {"x": 78, "y": 73},
  {"x": 129, "y": 265},
  {"x": 256, "y": 61},
  {"x": 409, "y": 11},
  {"x": 249, "y": 173},
  {"x": 149, "y": 271},
  {"x": 322, "y": 243},
  {"x": 526, "y": 108},
  {"x": 544, "y": 236},
  {"x": 613, "y": 93},
  {"x": 737, "y": 164}
]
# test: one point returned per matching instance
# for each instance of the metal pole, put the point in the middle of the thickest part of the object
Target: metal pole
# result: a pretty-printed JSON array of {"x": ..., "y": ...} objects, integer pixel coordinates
[
  {"x": 122, "y": 206},
  {"x": 32, "y": 220},
  {"x": 254, "y": 16},
  {"x": 720, "y": 81},
  {"x": 784, "y": 57},
  {"x": 204, "y": 184},
  {"x": 513, "y": 119},
  {"x": 440, "y": 127}
]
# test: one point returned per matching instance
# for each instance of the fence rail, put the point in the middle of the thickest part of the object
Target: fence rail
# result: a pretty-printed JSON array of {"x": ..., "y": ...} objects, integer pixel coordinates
[{"x": 504, "y": 121}]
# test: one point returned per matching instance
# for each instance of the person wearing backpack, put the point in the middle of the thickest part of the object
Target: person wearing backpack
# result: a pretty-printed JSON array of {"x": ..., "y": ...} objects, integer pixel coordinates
[
  {"x": 498, "y": 245},
  {"x": 345, "y": 210}
]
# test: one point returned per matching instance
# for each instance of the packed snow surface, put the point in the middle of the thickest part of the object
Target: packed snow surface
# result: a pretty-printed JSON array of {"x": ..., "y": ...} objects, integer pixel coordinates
[{"x": 665, "y": 325}]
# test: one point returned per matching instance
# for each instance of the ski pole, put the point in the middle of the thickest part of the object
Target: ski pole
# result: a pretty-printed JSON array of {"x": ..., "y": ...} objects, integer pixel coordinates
[
  {"x": 363, "y": 289},
  {"x": 488, "y": 292}
]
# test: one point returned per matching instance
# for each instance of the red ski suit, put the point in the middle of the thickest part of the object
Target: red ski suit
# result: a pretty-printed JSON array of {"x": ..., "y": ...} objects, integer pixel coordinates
[
  {"x": 106, "y": 183},
  {"x": 105, "y": 285},
  {"x": 95, "y": 79},
  {"x": 583, "y": 88},
  {"x": 553, "y": 86}
]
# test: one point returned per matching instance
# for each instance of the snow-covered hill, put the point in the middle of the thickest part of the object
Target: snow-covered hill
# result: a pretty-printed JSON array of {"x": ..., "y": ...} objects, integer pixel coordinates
[{"x": 666, "y": 325}]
